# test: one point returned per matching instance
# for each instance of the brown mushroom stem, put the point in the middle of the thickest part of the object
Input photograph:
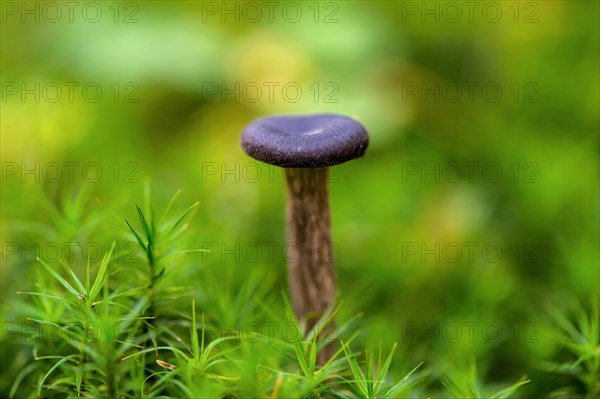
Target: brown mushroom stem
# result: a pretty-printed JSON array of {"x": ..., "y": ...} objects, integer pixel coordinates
[{"x": 311, "y": 276}]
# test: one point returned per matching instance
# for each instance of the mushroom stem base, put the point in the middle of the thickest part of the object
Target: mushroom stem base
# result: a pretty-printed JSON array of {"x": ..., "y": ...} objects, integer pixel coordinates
[{"x": 311, "y": 275}]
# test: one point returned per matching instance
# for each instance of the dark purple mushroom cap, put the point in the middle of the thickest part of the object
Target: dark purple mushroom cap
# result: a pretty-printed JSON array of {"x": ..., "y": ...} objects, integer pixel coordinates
[{"x": 305, "y": 141}]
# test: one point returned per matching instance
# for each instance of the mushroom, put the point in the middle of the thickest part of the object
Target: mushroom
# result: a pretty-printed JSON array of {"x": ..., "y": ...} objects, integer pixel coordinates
[{"x": 305, "y": 146}]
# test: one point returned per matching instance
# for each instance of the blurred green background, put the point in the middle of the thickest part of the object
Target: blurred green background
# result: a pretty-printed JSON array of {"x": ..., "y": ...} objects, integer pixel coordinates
[{"x": 178, "y": 83}]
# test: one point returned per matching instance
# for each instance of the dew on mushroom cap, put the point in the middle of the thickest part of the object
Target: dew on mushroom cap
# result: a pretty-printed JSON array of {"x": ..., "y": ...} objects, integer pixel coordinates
[{"x": 306, "y": 141}]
